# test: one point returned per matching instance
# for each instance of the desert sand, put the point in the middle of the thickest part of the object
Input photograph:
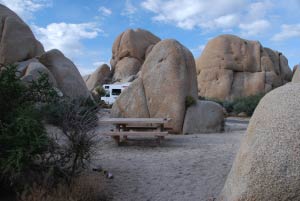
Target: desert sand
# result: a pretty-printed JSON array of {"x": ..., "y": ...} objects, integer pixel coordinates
[{"x": 183, "y": 168}]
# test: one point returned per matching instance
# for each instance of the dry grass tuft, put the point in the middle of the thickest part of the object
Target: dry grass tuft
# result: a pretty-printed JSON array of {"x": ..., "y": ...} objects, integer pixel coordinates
[{"x": 87, "y": 187}]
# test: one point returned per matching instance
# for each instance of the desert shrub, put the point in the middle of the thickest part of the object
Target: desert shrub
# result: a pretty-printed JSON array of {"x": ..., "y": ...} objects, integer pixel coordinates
[
  {"x": 85, "y": 187},
  {"x": 27, "y": 152},
  {"x": 246, "y": 104},
  {"x": 243, "y": 104},
  {"x": 101, "y": 92},
  {"x": 22, "y": 135},
  {"x": 189, "y": 101},
  {"x": 76, "y": 119}
]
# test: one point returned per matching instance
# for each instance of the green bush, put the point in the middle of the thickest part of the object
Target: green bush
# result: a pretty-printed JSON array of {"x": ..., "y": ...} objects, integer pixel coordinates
[
  {"x": 243, "y": 104},
  {"x": 247, "y": 104},
  {"x": 22, "y": 134},
  {"x": 26, "y": 149},
  {"x": 101, "y": 92},
  {"x": 189, "y": 101}
]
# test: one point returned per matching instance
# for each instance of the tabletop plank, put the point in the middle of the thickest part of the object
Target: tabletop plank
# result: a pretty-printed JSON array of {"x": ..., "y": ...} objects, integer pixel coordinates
[{"x": 134, "y": 120}]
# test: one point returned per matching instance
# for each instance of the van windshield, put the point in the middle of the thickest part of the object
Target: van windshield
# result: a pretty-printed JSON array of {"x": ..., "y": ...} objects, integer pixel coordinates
[{"x": 116, "y": 92}]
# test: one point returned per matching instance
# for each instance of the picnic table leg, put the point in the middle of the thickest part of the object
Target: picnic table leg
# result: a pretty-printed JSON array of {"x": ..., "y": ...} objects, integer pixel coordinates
[
  {"x": 117, "y": 139},
  {"x": 123, "y": 127},
  {"x": 160, "y": 128}
]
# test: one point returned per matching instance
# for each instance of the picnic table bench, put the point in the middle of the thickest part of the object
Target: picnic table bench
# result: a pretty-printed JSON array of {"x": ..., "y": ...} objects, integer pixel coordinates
[{"x": 125, "y": 127}]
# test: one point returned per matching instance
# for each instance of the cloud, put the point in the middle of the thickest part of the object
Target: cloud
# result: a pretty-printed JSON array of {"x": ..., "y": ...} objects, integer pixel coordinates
[
  {"x": 198, "y": 50},
  {"x": 129, "y": 11},
  {"x": 105, "y": 11},
  {"x": 66, "y": 37},
  {"x": 26, "y": 8},
  {"x": 254, "y": 28},
  {"x": 287, "y": 32},
  {"x": 212, "y": 14},
  {"x": 85, "y": 71},
  {"x": 189, "y": 14}
]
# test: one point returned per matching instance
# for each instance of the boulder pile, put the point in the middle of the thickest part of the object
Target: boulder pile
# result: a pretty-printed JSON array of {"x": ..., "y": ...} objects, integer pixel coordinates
[
  {"x": 167, "y": 77},
  {"x": 231, "y": 67},
  {"x": 129, "y": 52},
  {"x": 19, "y": 46}
]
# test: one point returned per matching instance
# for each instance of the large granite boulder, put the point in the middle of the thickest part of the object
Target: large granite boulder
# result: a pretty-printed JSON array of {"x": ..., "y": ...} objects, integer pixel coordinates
[
  {"x": 231, "y": 67},
  {"x": 68, "y": 78},
  {"x": 98, "y": 78},
  {"x": 296, "y": 75},
  {"x": 34, "y": 71},
  {"x": 17, "y": 42},
  {"x": 129, "y": 52},
  {"x": 267, "y": 166},
  {"x": 167, "y": 77},
  {"x": 204, "y": 117}
]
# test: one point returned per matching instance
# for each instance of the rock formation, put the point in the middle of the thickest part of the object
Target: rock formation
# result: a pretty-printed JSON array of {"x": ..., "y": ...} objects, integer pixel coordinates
[
  {"x": 67, "y": 76},
  {"x": 230, "y": 67},
  {"x": 98, "y": 78},
  {"x": 267, "y": 166},
  {"x": 17, "y": 42},
  {"x": 296, "y": 74},
  {"x": 19, "y": 46},
  {"x": 33, "y": 72},
  {"x": 167, "y": 77},
  {"x": 204, "y": 117},
  {"x": 129, "y": 52}
]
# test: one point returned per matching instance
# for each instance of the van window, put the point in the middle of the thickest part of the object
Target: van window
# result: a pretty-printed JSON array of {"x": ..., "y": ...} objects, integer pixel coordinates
[
  {"x": 106, "y": 87},
  {"x": 116, "y": 92}
]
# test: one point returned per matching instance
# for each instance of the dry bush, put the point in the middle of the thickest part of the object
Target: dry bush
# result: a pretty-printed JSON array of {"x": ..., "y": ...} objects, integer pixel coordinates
[{"x": 86, "y": 187}]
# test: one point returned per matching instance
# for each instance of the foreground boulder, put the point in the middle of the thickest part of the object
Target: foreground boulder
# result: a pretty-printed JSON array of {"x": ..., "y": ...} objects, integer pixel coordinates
[
  {"x": 168, "y": 76},
  {"x": 129, "y": 52},
  {"x": 204, "y": 117},
  {"x": 17, "y": 42},
  {"x": 34, "y": 71},
  {"x": 230, "y": 67},
  {"x": 296, "y": 75},
  {"x": 67, "y": 76},
  {"x": 267, "y": 166},
  {"x": 98, "y": 78}
]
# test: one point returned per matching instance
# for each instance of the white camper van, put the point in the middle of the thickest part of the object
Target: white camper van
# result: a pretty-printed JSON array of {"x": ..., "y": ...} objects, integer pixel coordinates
[{"x": 112, "y": 91}]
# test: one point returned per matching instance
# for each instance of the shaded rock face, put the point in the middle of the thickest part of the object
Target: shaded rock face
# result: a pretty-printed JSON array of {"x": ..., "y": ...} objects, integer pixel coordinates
[
  {"x": 34, "y": 71},
  {"x": 296, "y": 74},
  {"x": 68, "y": 78},
  {"x": 129, "y": 52},
  {"x": 267, "y": 166},
  {"x": 204, "y": 117},
  {"x": 17, "y": 42},
  {"x": 167, "y": 77},
  {"x": 230, "y": 67},
  {"x": 98, "y": 78}
]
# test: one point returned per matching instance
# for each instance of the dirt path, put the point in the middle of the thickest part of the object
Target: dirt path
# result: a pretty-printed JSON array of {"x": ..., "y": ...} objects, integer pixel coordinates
[{"x": 183, "y": 168}]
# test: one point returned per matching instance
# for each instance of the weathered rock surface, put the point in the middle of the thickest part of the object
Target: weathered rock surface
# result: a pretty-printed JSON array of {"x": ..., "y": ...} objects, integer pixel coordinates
[
  {"x": 267, "y": 166},
  {"x": 296, "y": 75},
  {"x": 68, "y": 78},
  {"x": 167, "y": 77},
  {"x": 204, "y": 117},
  {"x": 98, "y": 78},
  {"x": 129, "y": 52},
  {"x": 17, "y": 42},
  {"x": 230, "y": 67},
  {"x": 34, "y": 71}
]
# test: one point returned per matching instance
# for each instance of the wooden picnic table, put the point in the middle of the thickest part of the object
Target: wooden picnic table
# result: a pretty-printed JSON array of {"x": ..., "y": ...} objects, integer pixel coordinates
[{"x": 125, "y": 127}]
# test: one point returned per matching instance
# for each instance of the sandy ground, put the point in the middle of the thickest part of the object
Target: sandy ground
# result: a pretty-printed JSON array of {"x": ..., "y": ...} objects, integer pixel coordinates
[{"x": 182, "y": 168}]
